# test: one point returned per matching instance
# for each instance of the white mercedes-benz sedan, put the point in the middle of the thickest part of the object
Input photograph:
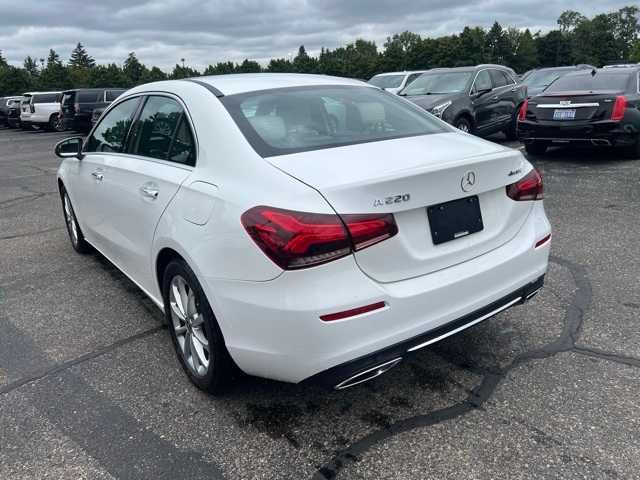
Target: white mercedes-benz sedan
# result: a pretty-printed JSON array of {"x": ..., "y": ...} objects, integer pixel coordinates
[{"x": 303, "y": 228}]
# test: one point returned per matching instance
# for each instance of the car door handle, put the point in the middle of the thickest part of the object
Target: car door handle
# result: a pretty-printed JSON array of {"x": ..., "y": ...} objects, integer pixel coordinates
[
  {"x": 495, "y": 97},
  {"x": 98, "y": 174},
  {"x": 149, "y": 191}
]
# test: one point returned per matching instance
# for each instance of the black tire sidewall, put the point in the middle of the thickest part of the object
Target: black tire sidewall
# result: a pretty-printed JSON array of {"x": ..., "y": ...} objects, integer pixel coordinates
[
  {"x": 465, "y": 120},
  {"x": 218, "y": 372},
  {"x": 81, "y": 246}
]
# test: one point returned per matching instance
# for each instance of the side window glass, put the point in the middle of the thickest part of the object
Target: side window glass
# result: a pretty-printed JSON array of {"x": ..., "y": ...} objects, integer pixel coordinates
[
  {"x": 483, "y": 81},
  {"x": 499, "y": 78},
  {"x": 412, "y": 77},
  {"x": 156, "y": 127},
  {"x": 111, "y": 132},
  {"x": 183, "y": 149}
]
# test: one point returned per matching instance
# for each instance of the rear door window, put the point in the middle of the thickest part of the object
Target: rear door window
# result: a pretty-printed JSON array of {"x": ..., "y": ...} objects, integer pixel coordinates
[
  {"x": 111, "y": 133},
  {"x": 162, "y": 132},
  {"x": 499, "y": 78},
  {"x": 46, "y": 98},
  {"x": 111, "y": 95},
  {"x": 88, "y": 97}
]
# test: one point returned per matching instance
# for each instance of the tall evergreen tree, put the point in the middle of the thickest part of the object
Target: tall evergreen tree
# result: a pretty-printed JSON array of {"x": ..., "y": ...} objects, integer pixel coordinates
[
  {"x": 31, "y": 66},
  {"x": 133, "y": 69},
  {"x": 80, "y": 58}
]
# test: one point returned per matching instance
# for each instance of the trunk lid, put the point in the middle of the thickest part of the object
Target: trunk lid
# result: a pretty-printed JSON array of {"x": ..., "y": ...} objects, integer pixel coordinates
[
  {"x": 404, "y": 177},
  {"x": 589, "y": 105}
]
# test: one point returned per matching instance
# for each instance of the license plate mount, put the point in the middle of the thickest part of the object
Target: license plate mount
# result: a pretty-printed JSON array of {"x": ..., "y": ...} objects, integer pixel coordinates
[{"x": 455, "y": 219}]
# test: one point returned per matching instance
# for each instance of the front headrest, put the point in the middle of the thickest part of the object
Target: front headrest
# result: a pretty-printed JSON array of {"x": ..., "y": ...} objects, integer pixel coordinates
[{"x": 371, "y": 113}]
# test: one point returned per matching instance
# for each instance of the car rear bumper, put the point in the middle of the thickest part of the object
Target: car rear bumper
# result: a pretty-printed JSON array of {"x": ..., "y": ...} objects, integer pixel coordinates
[
  {"x": 273, "y": 329},
  {"x": 605, "y": 133}
]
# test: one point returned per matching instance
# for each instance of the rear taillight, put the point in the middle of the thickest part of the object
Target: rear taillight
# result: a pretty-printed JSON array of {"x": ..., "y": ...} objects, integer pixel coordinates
[
  {"x": 528, "y": 187},
  {"x": 522, "y": 114},
  {"x": 619, "y": 108},
  {"x": 298, "y": 240}
]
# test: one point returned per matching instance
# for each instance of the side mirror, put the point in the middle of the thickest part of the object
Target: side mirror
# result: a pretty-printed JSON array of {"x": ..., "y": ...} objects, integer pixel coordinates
[{"x": 70, "y": 148}]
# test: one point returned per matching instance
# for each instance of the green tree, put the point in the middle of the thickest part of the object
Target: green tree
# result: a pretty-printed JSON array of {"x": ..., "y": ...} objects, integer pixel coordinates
[
  {"x": 153, "y": 75},
  {"x": 280, "y": 65},
  {"x": 220, "y": 68},
  {"x": 54, "y": 76},
  {"x": 303, "y": 63},
  {"x": 133, "y": 70},
  {"x": 31, "y": 66},
  {"x": 108, "y": 76},
  {"x": 569, "y": 20},
  {"x": 249, "y": 66},
  {"x": 180, "y": 71},
  {"x": 554, "y": 49},
  {"x": 80, "y": 58}
]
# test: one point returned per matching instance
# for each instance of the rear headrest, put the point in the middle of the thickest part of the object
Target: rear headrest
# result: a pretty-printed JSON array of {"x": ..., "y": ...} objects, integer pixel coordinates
[
  {"x": 371, "y": 113},
  {"x": 270, "y": 127}
]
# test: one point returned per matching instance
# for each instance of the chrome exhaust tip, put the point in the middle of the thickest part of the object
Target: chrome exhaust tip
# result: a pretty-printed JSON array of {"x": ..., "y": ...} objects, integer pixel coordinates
[{"x": 368, "y": 374}]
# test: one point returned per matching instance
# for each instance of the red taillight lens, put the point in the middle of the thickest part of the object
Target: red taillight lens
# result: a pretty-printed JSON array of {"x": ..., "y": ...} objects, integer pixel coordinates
[
  {"x": 298, "y": 240},
  {"x": 619, "y": 108},
  {"x": 522, "y": 114},
  {"x": 353, "y": 312},
  {"x": 528, "y": 187}
]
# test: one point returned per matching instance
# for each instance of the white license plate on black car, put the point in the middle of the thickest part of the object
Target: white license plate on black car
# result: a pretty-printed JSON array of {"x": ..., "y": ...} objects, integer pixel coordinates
[{"x": 564, "y": 114}]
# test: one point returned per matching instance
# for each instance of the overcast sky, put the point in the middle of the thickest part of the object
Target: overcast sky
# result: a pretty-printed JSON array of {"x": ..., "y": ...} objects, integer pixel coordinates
[{"x": 207, "y": 31}]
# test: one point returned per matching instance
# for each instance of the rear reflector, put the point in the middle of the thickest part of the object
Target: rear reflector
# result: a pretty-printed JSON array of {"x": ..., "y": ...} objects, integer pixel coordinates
[
  {"x": 619, "y": 108},
  {"x": 353, "y": 312},
  {"x": 528, "y": 187},
  {"x": 522, "y": 114},
  {"x": 299, "y": 240},
  {"x": 543, "y": 240}
]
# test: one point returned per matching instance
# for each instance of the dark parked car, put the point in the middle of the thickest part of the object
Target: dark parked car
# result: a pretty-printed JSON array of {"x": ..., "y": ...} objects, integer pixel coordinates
[
  {"x": 5, "y": 105},
  {"x": 13, "y": 112},
  {"x": 77, "y": 106},
  {"x": 597, "y": 107},
  {"x": 482, "y": 100},
  {"x": 538, "y": 80}
]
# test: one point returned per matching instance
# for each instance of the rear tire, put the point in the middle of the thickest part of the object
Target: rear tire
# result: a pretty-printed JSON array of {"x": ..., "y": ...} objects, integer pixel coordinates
[
  {"x": 53, "y": 123},
  {"x": 194, "y": 330},
  {"x": 76, "y": 236},
  {"x": 536, "y": 148}
]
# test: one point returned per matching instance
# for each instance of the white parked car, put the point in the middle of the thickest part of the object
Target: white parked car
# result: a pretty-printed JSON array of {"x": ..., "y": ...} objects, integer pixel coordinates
[
  {"x": 302, "y": 227},
  {"x": 395, "y": 81},
  {"x": 40, "y": 109}
]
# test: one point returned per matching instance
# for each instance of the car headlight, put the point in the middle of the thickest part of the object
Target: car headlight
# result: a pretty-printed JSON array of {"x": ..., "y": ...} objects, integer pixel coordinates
[{"x": 438, "y": 110}]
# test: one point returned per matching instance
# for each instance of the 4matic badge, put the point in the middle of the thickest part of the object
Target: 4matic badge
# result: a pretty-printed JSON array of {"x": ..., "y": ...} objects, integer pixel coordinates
[{"x": 379, "y": 202}]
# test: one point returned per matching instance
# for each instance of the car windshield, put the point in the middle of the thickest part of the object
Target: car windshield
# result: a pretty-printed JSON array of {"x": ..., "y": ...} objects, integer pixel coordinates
[
  {"x": 298, "y": 119},
  {"x": 438, "y": 83},
  {"x": 605, "y": 80},
  {"x": 543, "y": 78},
  {"x": 387, "y": 81}
]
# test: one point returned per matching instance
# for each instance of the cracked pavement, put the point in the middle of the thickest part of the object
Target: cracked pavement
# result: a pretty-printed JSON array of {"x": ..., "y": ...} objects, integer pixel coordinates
[{"x": 90, "y": 387}]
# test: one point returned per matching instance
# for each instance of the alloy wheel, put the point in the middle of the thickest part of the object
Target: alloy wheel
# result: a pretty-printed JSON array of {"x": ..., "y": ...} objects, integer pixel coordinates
[
  {"x": 188, "y": 325},
  {"x": 70, "y": 218}
]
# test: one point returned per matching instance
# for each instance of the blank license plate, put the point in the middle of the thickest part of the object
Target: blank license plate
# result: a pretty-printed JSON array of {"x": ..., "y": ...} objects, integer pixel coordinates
[
  {"x": 454, "y": 219},
  {"x": 564, "y": 114}
]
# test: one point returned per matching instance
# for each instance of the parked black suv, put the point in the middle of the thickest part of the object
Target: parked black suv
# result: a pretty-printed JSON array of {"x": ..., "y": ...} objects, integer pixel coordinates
[
  {"x": 13, "y": 112},
  {"x": 597, "y": 107},
  {"x": 77, "y": 106},
  {"x": 5, "y": 105},
  {"x": 481, "y": 100}
]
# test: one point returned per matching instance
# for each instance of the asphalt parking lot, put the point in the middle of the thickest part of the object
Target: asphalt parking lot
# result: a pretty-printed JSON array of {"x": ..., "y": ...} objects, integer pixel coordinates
[{"x": 90, "y": 387}]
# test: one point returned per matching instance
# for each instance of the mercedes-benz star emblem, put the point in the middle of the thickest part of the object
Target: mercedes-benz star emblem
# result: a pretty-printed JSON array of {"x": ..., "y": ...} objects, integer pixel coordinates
[{"x": 468, "y": 181}]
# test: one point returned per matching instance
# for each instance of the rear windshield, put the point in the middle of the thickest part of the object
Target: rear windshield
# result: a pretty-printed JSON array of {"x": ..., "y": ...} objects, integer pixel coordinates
[
  {"x": 600, "y": 81},
  {"x": 544, "y": 78},
  {"x": 88, "y": 97},
  {"x": 68, "y": 97},
  {"x": 46, "y": 98},
  {"x": 387, "y": 81},
  {"x": 438, "y": 83},
  {"x": 111, "y": 95},
  {"x": 298, "y": 119}
]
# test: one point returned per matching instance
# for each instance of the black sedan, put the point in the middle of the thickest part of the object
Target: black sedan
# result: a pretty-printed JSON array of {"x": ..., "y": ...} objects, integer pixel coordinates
[{"x": 597, "y": 107}]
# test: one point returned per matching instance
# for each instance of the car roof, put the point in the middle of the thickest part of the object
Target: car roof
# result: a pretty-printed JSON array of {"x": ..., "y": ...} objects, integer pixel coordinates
[
  {"x": 404, "y": 72},
  {"x": 248, "y": 82}
]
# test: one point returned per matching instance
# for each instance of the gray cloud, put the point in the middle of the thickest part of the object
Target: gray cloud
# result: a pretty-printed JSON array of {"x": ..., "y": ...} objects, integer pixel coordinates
[{"x": 203, "y": 32}]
